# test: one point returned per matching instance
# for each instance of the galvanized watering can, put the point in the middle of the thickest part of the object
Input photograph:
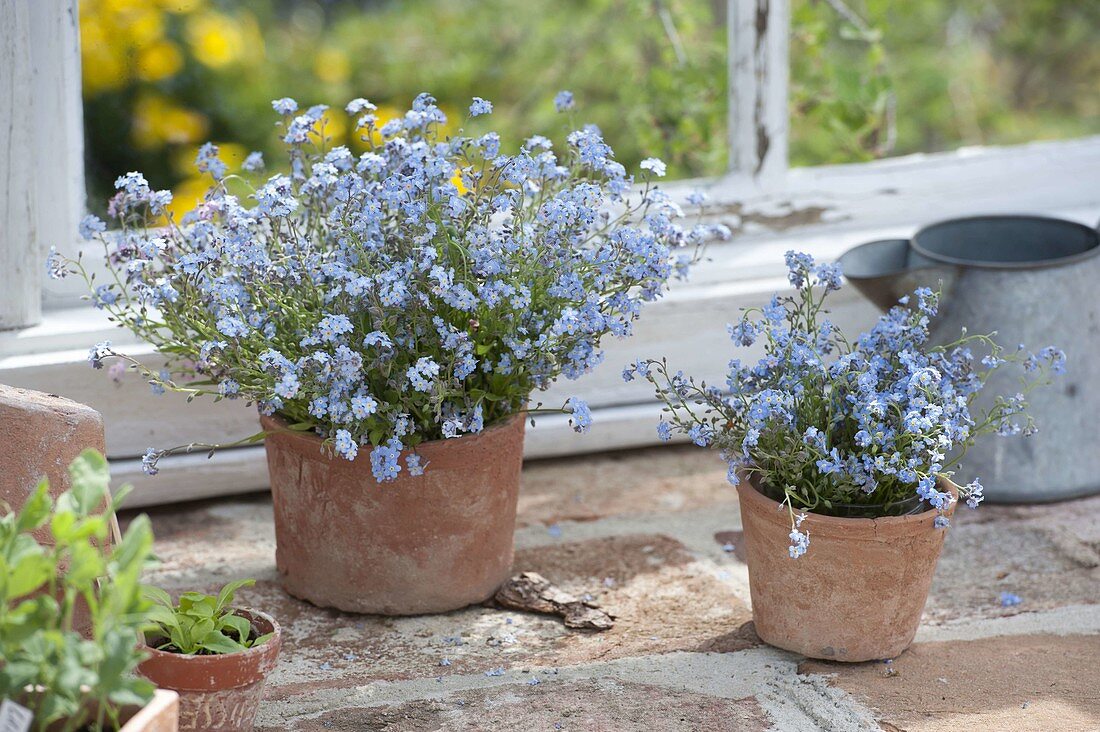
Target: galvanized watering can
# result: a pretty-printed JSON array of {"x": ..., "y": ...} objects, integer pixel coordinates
[{"x": 1035, "y": 280}]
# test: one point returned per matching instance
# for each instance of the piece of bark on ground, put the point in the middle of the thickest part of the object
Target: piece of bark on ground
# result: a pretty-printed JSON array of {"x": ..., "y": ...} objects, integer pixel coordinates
[{"x": 532, "y": 592}]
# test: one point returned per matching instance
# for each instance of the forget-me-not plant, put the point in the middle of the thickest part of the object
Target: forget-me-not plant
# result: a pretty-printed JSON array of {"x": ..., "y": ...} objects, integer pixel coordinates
[
  {"x": 417, "y": 291},
  {"x": 827, "y": 425}
]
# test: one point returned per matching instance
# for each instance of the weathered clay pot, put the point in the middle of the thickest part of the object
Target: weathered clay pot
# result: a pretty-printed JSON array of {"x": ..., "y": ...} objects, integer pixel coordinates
[
  {"x": 419, "y": 544},
  {"x": 858, "y": 592},
  {"x": 218, "y": 693}
]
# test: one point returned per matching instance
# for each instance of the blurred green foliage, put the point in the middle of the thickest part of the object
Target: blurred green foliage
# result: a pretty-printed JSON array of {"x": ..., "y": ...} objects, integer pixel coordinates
[
  {"x": 869, "y": 78},
  {"x": 878, "y": 77},
  {"x": 650, "y": 73}
]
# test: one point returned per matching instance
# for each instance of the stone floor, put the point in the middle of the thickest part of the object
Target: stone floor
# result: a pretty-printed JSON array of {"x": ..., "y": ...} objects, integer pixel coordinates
[{"x": 647, "y": 534}]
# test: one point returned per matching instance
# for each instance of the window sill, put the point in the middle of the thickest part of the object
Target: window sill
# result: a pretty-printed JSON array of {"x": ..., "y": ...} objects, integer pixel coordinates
[{"x": 821, "y": 210}]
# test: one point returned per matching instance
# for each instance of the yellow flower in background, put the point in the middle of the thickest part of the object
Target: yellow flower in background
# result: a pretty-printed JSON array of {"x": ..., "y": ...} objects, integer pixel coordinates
[
  {"x": 456, "y": 179},
  {"x": 186, "y": 195},
  {"x": 181, "y": 7},
  {"x": 215, "y": 39},
  {"x": 332, "y": 66},
  {"x": 158, "y": 122},
  {"x": 384, "y": 114},
  {"x": 103, "y": 65},
  {"x": 158, "y": 61},
  {"x": 142, "y": 26},
  {"x": 115, "y": 7},
  {"x": 231, "y": 153},
  {"x": 334, "y": 129}
]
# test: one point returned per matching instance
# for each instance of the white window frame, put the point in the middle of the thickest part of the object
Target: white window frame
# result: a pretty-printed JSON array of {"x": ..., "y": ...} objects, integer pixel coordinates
[{"x": 823, "y": 210}]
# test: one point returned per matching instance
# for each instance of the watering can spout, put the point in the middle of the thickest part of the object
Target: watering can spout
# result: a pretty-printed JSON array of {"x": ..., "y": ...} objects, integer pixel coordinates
[{"x": 884, "y": 271}]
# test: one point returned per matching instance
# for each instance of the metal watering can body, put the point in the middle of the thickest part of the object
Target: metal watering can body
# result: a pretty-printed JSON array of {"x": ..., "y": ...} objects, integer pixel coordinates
[{"x": 1034, "y": 280}]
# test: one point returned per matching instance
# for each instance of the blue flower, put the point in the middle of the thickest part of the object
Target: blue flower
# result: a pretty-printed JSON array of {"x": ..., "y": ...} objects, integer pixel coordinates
[
  {"x": 285, "y": 106},
  {"x": 345, "y": 445},
  {"x": 1009, "y": 599},
  {"x": 149, "y": 462},
  {"x": 581, "y": 418},
  {"x": 412, "y": 462},
  {"x": 91, "y": 225},
  {"x": 207, "y": 161},
  {"x": 654, "y": 165},
  {"x": 423, "y": 373},
  {"x": 362, "y": 406},
  {"x": 55, "y": 265},
  {"x": 664, "y": 431},
  {"x": 157, "y": 385},
  {"x": 480, "y": 107},
  {"x": 254, "y": 163},
  {"x": 800, "y": 540},
  {"x": 697, "y": 197},
  {"x": 701, "y": 434},
  {"x": 563, "y": 101},
  {"x": 332, "y": 327},
  {"x": 639, "y": 368},
  {"x": 828, "y": 276},
  {"x": 383, "y": 460},
  {"x": 232, "y": 326},
  {"x": 98, "y": 352}
]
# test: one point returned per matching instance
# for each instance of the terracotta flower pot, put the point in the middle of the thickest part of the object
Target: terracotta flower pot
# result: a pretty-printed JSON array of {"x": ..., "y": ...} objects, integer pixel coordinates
[
  {"x": 218, "y": 693},
  {"x": 419, "y": 544},
  {"x": 858, "y": 592}
]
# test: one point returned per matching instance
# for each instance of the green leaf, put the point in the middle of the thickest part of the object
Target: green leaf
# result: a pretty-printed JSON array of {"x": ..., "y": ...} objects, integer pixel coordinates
[
  {"x": 36, "y": 509},
  {"x": 61, "y": 526},
  {"x": 216, "y": 642},
  {"x": 164, "y": 619},
  {"x": 29, "y": 574},
  {"x": 136, "y": 546},
  {"x": 86, "y": 565},
  {"x": 90, "y": 479},
  {"x": 158, "y": 595},
  {"x": 239, "y": 625},
  {"x": 225, "y": 597},
  {"x": 261, "y": 640}
]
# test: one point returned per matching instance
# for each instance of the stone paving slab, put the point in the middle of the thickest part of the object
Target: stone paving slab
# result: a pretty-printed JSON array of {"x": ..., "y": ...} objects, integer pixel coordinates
[
  {"x": 654, "y": 536},
  {"x": 1036, "y": 682}
]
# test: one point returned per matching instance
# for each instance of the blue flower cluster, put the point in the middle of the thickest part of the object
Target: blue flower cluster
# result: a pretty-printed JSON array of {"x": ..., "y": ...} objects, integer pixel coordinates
[
  {"x": 419, "y": 290},
  {"x": 829, "y": 423}
]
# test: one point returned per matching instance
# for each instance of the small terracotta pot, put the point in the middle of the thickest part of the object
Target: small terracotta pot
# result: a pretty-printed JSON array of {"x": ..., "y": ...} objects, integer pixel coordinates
[
  {"x": 858, "y": 592},
  {"x": 419, "y": 544},
  {"x": 218, "y": 693}
]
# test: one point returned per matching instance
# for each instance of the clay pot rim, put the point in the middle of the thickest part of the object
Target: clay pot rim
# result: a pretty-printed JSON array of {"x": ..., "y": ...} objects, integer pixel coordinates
[
  {"x": 280, "y": 427},
  {"x": 845, "y": 527},
  {"x": 271, "y": 645}
]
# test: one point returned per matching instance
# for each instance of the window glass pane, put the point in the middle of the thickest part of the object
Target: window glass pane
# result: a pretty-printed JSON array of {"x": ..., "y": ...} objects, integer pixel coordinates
[
  {"x": 161, "y": 77},
  {"x": 876, "y": 78}
]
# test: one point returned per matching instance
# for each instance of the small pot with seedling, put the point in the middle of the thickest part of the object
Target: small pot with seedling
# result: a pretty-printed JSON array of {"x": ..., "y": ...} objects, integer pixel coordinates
[{"x": 217, "y": 656}]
